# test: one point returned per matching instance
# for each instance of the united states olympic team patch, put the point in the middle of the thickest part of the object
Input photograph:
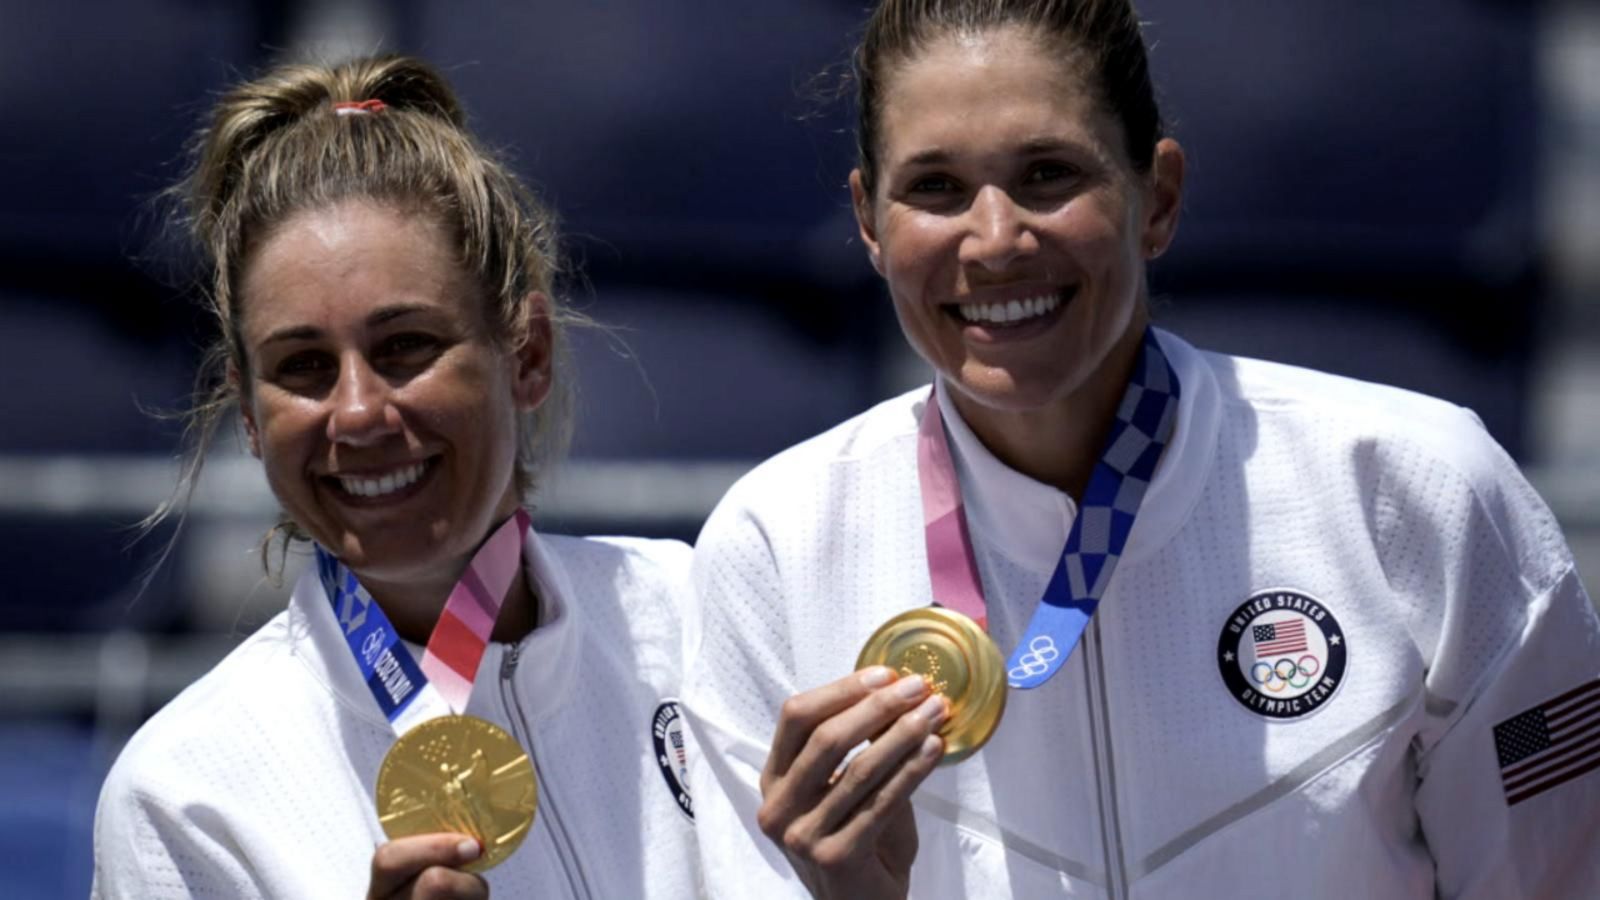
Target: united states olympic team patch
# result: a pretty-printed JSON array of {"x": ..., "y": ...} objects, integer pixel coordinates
[
  {"x": 1282, "y": 654},
  {"x": 666, "y": 732}
]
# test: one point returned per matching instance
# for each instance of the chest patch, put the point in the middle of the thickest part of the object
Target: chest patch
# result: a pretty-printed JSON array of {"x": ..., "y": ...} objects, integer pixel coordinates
[
  {"x": 672, "y": 752},
  {"x": 1282, "y": 654}
]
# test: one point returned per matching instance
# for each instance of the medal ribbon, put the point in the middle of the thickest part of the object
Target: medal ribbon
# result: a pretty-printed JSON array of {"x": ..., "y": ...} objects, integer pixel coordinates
[
  {"x": 1143, "y": 426},
  {"x": 408, "y": 693}
]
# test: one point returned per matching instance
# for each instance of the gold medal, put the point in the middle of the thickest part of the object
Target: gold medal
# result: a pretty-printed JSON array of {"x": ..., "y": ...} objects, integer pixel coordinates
[
  {"x": 958, "y": 660},
  {"x": 459, "y": 774}
]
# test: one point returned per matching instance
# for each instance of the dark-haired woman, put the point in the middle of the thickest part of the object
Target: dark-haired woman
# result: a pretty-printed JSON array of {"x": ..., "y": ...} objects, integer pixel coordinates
[
  {"x": 391, "y": 339},
  {"x": 1268, "y": 632}
]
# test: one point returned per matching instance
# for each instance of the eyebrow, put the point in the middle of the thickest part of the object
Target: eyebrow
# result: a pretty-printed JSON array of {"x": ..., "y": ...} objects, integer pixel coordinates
[
  {"x": 1038, "y": 145},
  {"x": 939, "y": 156},
  {"x": 378, "y": 317},
  {"x": 936, "y": 156}
]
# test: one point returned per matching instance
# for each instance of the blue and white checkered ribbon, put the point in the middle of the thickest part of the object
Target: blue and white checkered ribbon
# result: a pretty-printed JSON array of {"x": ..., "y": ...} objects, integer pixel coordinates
[
  {"x": 1143, "y": 426},
  {"x": 390, "y": 671}
]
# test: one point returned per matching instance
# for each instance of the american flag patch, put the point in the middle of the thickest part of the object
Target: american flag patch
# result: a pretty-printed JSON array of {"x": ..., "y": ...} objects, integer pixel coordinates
[
  {"x": 1280, "y": 638},
  {"x": 1550, "y": 744}
]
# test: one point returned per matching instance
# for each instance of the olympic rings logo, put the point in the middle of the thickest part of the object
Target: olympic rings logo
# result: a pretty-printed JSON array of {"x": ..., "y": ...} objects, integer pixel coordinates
[
  {"x": 373, "y": 645},
  {"x": 1286, "y": 673},
  {"x": 1042, "y": 651}
]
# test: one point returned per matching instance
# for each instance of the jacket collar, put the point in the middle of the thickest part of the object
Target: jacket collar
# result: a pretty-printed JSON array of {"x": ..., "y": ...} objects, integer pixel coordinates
[
  {"x": 547, "y": 655},
  {"x": 1027, "y": 521}
]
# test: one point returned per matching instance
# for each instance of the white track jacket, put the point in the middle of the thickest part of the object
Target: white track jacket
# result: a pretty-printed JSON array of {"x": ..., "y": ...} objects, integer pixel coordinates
[
  {"x": 258, "y": 780},
  {"x": 1346, "y": 654}
]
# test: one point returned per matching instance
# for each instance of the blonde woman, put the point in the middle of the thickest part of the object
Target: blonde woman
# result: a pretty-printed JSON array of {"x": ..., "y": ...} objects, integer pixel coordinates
[{"x": 389, "y": 332}]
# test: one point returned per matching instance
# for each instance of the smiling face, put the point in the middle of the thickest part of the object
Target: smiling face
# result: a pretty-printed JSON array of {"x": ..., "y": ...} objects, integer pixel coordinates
[
  {"x": 1010, "y": 224},
  {"x": 382, "y": 408}
]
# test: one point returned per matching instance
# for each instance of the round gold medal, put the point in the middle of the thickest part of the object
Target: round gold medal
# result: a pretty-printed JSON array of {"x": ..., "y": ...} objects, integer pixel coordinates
[
  {"x": 958, "y": 659},
  {"x": 459, "y": 774}
]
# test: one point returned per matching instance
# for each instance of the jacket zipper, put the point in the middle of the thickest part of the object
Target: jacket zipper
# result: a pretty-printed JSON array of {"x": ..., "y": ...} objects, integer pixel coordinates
[
  {"x": 1104, "y": 767},
  {"x": 547, "y": 801}
]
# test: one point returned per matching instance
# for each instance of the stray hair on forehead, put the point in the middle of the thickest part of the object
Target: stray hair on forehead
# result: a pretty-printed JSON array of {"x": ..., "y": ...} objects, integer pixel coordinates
[{"x": 1104, "y": 34}]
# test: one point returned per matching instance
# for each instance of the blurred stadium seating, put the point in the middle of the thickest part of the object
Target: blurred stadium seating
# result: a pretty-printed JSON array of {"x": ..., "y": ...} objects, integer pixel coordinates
[{"x": 1363, "y": 194}]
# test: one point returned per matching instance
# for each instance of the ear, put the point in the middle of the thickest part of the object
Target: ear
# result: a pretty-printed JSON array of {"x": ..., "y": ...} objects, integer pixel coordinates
[
  {"x": 530, "y": 377},
  {"x": 246, "y": 412},
  {"x": 1164, "y": 200},
  {"x": 861, "y": 202}
]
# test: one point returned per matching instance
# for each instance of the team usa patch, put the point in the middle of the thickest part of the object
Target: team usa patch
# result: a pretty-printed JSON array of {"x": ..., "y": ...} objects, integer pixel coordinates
[
  {"x": 1282, "y": 654},
  {"x": 672, "y": 754}
]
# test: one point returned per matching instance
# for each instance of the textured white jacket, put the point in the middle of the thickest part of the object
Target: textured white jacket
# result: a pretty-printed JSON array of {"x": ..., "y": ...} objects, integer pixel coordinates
[
  {"x": 258, "y": 780},
  {"x": 1345, "y": 515}
]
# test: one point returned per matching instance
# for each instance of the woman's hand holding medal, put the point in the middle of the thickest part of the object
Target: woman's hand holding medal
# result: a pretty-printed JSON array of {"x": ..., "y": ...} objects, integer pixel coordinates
[
  {"x": 847, "y": 827},
  {"x": 424, "y": 866}
]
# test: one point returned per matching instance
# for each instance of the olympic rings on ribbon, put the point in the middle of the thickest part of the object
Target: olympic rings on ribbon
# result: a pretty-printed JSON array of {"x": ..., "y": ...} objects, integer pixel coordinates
[
  {"x": 1274, "y": 678},
  {"x": 1042, "y": 651}
]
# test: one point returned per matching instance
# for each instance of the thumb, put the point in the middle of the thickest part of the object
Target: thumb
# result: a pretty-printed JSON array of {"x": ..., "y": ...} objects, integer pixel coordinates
[{"x": 400, "y": 860}]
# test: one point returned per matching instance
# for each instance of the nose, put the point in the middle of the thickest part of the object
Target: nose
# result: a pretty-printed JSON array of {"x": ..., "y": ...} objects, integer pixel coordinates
[
  {"x": 362, "y": 414},
  {"x": 998, "y": 232}
]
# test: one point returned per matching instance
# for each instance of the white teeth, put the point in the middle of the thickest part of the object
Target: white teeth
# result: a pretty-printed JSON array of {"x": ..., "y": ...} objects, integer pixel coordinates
[
  {"x": 388, "y": 484},
  {"x": 1012, "y": 312}
]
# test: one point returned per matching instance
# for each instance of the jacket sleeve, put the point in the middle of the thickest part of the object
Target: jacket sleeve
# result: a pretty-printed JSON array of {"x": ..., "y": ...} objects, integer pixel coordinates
[
  {"x": 736, "y": 677},
  {"x": 1509, "y": 796},
  {"x": 1508, "y": 769},
  {"x": 145, "y": 848}
]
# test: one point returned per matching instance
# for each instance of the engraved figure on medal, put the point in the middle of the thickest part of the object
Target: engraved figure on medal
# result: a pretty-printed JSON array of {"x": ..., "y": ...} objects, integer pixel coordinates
[{"x": 459, "y": 774}]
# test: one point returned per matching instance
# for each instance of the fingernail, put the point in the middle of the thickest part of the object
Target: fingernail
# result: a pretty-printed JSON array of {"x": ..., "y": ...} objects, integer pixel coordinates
[
  {"x": 468, "y": 850},
  {"x": 876, "y": 677},
  {"x": 911, "y": 687},
  {"x": 933, "y": 710},
  {"x": 932, "y": 747}
]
